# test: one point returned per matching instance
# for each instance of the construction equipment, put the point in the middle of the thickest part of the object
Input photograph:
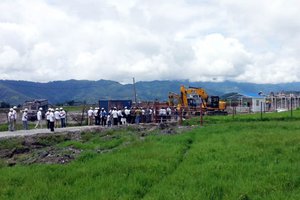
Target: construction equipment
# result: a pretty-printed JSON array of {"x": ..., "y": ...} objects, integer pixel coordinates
[
  {"x": 192, "y": 98},
  {"x": 174, "y": 100}
]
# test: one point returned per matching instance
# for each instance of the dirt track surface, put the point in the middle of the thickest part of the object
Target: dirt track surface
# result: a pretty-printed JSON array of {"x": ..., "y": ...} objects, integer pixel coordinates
[{"x": 9, "y": 134}]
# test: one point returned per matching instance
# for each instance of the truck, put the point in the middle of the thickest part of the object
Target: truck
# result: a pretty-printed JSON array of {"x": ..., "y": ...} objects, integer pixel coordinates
[{"x": 33, "y": 107}]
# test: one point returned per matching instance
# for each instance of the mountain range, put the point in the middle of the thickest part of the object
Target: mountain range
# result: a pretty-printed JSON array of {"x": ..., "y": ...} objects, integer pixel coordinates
[{"x": 16, "y": 92}]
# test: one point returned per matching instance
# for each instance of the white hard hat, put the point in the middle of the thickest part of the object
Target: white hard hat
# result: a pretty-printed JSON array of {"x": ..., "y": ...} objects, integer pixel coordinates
[
  {"x": 15, "y": 107},
  {"x": 56, "y": 108},
  {"x": 11, "y": 109},
  {"x": 41, "y": 109},
  {"x": 25, "y": 109},
  {"x": 61, "y": 108}
]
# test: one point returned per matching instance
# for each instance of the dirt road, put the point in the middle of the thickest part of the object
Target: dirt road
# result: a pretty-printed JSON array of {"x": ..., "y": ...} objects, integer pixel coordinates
[{"x": 9, "y": 134}]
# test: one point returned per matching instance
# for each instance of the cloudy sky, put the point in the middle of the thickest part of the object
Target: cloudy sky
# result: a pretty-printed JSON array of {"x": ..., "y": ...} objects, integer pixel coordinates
[{"x": 200, "y": 40}]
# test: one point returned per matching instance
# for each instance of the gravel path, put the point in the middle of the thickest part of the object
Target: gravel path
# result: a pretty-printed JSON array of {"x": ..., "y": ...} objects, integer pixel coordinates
[{"x": 8, "y": 134}]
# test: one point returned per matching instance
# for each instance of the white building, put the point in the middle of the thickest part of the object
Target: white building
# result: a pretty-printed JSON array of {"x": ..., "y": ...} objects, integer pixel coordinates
[
  {"x": 258, "y": 103},
  {"x": 247, "y": 103}
]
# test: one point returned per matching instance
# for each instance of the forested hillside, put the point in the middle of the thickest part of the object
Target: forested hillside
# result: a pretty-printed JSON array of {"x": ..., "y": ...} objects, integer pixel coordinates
[{"x": 16, "y": 92}]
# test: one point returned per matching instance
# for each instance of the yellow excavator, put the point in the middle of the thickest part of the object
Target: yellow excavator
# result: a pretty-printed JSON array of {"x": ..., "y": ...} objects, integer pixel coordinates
[{"x": 193, "y": 97}]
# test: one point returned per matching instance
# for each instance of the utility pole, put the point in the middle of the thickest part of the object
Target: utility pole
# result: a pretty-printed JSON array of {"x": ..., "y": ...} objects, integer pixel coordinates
[
  {"x": 291, "y": 106},
  {"x": 134, "y": 91}
]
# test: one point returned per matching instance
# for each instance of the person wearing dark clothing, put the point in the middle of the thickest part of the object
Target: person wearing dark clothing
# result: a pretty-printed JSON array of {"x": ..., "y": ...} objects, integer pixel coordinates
[
  {"x": 97, "y": 116},
  {"x": 103, "y": 117},
  {"x": 52, "y": 120}
]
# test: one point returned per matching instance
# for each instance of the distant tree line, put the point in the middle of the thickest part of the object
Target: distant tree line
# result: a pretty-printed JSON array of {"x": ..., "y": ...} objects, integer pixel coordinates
[
  {"x": 71, "y": 103},
  {"x": 4, "y": 105}
]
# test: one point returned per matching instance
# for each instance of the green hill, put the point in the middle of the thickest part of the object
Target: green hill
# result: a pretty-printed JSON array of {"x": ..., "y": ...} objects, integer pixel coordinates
[{"x": 16, "y": 92}]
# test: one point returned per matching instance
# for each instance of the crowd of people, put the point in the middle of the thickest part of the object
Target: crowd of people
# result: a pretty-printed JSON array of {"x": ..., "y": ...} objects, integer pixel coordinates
[
  {"x": 56, "y": 118},
  {"x": 53, "y": 118},
  {"x": 134, "y": 115}
]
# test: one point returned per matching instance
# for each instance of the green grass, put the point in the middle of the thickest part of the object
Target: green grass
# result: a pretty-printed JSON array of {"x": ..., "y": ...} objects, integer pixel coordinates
[
  {"x": 255, "y": 117},
  {"x": 251, "y": 161},
  {"x": 241, "y": 158},
  {"x": 19, "y": 126}
]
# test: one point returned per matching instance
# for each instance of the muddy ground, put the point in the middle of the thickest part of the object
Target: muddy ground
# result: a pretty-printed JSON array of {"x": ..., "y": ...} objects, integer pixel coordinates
[{"x": 44, "y": 148}]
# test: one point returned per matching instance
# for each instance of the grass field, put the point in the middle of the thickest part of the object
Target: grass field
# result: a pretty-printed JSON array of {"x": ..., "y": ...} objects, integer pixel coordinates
[{"x": 229, "y": 158}]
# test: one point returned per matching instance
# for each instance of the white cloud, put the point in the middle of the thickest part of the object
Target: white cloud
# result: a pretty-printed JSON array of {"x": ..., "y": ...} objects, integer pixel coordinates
[
  {"x": 9, "y": 59},
  {"x": 253, "y": 41},
  {"x": 218, "y": 56}
]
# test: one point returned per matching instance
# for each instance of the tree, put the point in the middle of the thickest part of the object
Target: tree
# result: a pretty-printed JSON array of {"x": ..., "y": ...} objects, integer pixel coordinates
[
  {"x": 4, "y": 105},
  {"x": 71, "y": 103}
]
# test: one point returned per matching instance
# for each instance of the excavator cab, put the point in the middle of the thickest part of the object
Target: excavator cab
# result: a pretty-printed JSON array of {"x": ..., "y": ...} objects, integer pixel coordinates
[
  {"x": 213, "y": 102},
  {"x": 195, "y": 100}
]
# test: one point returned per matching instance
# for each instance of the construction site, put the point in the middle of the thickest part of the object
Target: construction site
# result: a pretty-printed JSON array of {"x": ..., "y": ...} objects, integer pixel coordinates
[
  {"x": 189, "y": 102},
  {"x": 193, "y": 127}
]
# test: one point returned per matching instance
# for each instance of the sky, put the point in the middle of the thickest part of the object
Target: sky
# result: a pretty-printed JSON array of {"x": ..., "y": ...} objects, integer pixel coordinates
[{"x": 198, "y": 40}]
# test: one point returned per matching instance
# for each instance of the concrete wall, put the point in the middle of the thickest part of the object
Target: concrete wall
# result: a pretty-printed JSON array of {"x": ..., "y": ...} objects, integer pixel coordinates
[{"x": 258, "y": 104}]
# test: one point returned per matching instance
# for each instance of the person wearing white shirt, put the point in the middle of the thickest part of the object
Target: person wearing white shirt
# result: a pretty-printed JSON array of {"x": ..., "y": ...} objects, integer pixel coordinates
[
  {"x": 39, "y": 118},
  {"x": 24, "y": 119},
  {"x": 15, "y": 116},
  {"x": 127, "y": 114},
  {"x": 162, "y": 114},
  {"x": 11, "y": 118},
  {"x": 90, "y": 114},
  {"x": 62, "y": 115},
  {"x": 48, "y": 118},
  {"x": 114, "y": 114},
  {"x": 97, "y": 116},
  {"x": 57, "y": 117},
  {"x": 120, "y": 116},
  {"x": 169, "y": 112}
]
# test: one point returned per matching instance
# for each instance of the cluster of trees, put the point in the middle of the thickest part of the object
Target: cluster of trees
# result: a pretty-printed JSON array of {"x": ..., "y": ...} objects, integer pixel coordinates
[
  {"x": 4, "y": 105},
  {"x": 71, "y": 103}
]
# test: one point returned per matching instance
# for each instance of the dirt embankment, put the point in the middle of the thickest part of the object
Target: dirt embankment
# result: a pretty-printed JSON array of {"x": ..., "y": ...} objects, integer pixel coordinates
[{"x": 47, "y": 148}]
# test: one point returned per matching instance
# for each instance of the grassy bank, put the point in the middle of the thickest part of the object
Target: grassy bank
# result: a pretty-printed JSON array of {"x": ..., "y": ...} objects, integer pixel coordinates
[{"x": 226, "y": 159}]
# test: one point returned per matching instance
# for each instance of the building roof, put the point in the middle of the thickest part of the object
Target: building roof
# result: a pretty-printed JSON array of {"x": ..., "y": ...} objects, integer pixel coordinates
[
  {"x": 244, "y": 95},
  {"x": 253, "y": 95}
]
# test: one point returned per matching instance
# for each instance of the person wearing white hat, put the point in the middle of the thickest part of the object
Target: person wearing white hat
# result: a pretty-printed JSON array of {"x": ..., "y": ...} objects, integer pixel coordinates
[
  {"x": 51, "y": 119},
  {"x": 11, "y": 118},
  {"x": 62, "y": 115},
  {"x": 114, "y": 114},
  {"x": 90, "y": 114},
  {"x": 120, "y": 116},
  {"x": 103, "y": 117},
  {"x": 15, "y": 116},
  {"x": 25, "y": 119},
  {"x": 127, "y": 114},
  {"x": 96, "y": 113},
  {"x": 48, "y": 118},
  {"x": 57, "y": 117},
  {"x": 39, "y": 118}
]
